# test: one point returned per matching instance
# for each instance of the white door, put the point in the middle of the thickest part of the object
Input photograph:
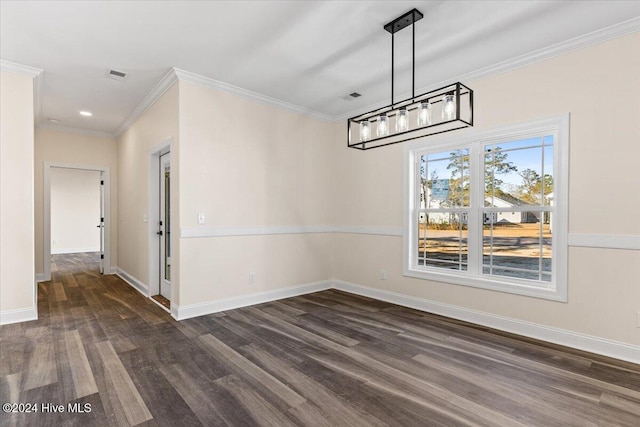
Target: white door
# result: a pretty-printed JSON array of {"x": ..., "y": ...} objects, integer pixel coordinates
[
  {"x": 165, "y": 225},
  {"x": 101, "y": 224}
]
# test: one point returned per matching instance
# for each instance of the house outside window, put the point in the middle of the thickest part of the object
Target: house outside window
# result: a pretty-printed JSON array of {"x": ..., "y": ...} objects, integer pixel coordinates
[{"x": 489, "y": 209}]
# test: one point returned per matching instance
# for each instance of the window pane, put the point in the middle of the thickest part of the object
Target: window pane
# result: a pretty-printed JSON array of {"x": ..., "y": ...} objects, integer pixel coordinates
[
  {"x": 519, "y": 173},
  {"x": 443, "y": 240},
  {"x": 444, "y": 179},
  {"x": 513, "y": 247},
  {"x": 547, "y": 251}
]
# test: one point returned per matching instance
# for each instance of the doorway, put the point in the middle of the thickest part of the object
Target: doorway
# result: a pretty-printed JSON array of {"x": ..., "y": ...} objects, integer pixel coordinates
[
  {"x": 160, "y": 222},
  {"x": 76, "y": 213},
  {"x": 164, "y": 230}
]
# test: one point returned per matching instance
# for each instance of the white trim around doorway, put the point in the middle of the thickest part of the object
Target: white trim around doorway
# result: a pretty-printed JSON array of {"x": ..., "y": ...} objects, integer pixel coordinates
[
  {"x": 46, "y": 244},
  {"x": 153, "y": 216}
]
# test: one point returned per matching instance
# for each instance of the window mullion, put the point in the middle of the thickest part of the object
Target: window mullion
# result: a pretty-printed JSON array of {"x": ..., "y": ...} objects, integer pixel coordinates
[{"x": 474, "y": 239}]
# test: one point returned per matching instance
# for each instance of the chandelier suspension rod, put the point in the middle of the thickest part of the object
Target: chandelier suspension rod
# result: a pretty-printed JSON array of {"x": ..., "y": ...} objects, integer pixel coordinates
[
  {"x": 413, "y": 63},
  {"x": 413, "y": 60}
]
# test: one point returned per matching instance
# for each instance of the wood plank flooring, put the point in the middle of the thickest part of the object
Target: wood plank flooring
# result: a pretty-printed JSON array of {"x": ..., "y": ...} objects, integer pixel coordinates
[{"x": 324, "y": 359}]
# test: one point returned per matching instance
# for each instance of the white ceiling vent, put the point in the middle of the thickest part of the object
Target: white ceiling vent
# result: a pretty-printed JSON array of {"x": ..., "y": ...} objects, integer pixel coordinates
[
  {"x": 351, "y": 96},
  {"x": 116, "y": 75}
]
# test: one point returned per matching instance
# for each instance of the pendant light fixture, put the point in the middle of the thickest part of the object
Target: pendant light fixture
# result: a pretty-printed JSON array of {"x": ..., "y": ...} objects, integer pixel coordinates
[{"x": 442, "y": 110}]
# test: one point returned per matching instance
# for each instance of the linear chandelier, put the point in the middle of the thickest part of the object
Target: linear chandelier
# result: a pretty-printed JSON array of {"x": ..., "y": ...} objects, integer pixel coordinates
[{"x": 442, "y": 110}]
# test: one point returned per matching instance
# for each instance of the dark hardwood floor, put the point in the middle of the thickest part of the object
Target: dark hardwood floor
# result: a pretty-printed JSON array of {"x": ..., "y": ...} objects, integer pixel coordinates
[{"x": 324, "y": 359}]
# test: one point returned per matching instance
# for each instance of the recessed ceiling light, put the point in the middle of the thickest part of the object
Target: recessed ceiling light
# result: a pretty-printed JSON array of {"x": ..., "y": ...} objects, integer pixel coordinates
[
  {"x": 54, "y": 121},
  {"x": 86, "y": 113}
]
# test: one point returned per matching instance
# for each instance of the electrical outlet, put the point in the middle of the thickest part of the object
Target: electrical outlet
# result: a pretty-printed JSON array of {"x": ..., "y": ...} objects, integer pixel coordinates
[
  {"x": 252, "y": 278},
  {"x": 383, "y": 274},
  {"x": 200, "y": 218},
  {"x": 638, "y": 320}
]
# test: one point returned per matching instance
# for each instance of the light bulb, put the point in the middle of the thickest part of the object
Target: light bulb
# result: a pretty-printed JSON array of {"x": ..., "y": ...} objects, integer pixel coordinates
[
  {"x": 448, "y": 107},
  {"x": 424, "y": 114},
  {"x": 383, "y": 125},
  {"x": 402, "y": 120},
  {"x": 365, "y": 131}
]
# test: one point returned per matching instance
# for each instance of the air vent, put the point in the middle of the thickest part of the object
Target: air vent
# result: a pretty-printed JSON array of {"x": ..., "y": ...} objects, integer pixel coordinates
[
  {"x": 116, "y": 75},
  {"x": 351, "y": 96}
]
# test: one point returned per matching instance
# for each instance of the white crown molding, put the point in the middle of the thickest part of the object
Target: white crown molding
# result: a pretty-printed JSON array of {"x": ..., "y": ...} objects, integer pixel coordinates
[
  {"x": 175, "y": 74},
  {"x": 69, "y": 129},
  {"x": 158, "y": 90},
  {"x": 197, "y": 79},
  {"x": 618, "y": 350},
  {"x": 604, "y": 241},
  {"x": 200, "y": 309},
  {"x": 38, "y": 78},
  {"x": 19, "y": 68},
  {"x": 595, "y": 37}
]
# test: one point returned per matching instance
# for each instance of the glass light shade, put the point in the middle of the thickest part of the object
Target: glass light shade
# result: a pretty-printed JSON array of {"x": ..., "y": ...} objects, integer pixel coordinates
[
  {"x": 424, "y": 114},
  {"x": 365, "y": 131},
  {"x": 448, "y": 107},
  {"x": 383, "y": 125},
  {"x": 402, "y": 120}
]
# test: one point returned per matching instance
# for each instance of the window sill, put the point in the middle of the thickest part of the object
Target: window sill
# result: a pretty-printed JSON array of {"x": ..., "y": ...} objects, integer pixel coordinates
[{"x": 512, "y": 286}]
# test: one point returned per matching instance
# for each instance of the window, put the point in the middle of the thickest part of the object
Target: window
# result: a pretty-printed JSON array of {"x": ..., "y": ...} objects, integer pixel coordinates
[{"x": 489, "y": 209}]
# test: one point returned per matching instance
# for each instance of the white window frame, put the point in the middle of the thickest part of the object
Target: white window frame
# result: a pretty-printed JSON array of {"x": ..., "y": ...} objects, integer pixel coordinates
[{"x": 556, "y": 290}]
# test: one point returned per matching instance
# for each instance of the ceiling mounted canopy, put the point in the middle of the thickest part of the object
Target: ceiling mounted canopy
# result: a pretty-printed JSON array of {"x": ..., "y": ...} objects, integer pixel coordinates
[{"x": 442, "y": 110}]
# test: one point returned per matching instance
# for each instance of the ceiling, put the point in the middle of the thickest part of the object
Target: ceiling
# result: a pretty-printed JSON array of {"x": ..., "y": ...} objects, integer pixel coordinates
[{"x": 306, "y": 53}]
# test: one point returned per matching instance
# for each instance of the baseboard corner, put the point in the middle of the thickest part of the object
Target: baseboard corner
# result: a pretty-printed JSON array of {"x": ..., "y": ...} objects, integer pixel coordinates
[
  {"x": 19, "y": 315},
  {"x": 136, "y": 284},
  {"x": 200, "y": 309}
]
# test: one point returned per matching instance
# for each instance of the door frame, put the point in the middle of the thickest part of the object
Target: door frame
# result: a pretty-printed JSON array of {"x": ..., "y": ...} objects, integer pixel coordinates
[
  {"x": 165, "y": 238},
  {"x": 46, "y": 244},
  {"x": 153, "y": 216}
]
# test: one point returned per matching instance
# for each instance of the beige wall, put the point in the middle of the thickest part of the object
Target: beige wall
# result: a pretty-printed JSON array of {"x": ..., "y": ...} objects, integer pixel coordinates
[
  {"x": 76, "y": 149},
  {"x": 75, "y": 210},
  {"x": 155, "y": 126},
  {"x": 17, "y": 287},
  {"x": 247, "y": 164},
  {"x": 600, "y": 87}
]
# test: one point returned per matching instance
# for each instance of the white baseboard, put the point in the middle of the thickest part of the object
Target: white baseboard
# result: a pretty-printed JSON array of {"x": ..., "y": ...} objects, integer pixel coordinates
[
  {"x": 200, "y": 309},
  {"x": 39, "y": 278},
  {"x": 19, "y": 315},
  {"x": 138, "y": 285},
  {"x": 615, "y": 349}
]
